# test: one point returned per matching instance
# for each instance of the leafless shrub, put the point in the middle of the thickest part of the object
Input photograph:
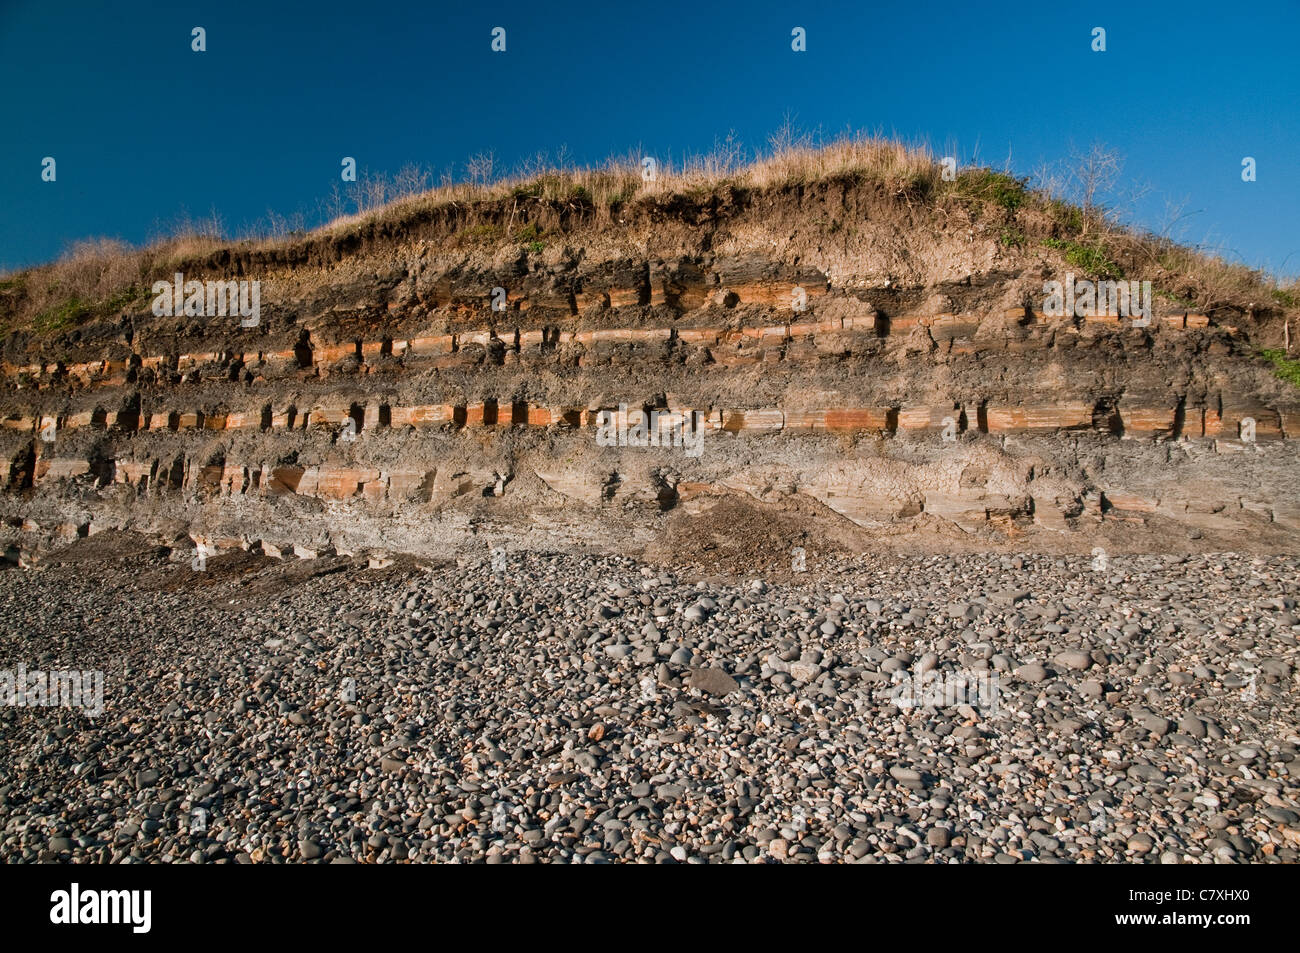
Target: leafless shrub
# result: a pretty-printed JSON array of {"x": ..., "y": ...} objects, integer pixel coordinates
[{"x": 480, "y": 168}]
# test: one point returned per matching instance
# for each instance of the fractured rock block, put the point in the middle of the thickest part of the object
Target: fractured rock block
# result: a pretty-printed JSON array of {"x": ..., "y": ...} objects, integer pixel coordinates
[
  {"x": 1267, "y": 422},
  {"x": 484, "y": 414},
  {"x": 244, "y": 420},
  {"x": 1049, "y": 514},
  {"x": 234, "y": 480},
  {"x": 340, "y": 483},
  {"x": 928, "y": 418},
  {"x": 332, "y": 354},
  {"x": 1147, "y": 418},
  {"x": 329, "y": 416},
  {"x": 284, "y": 480},
  {"x": 848, "y": 419},
  {"x": 1122, "y": 500},
  {"x": 1068, "y": 415},
  {"x": 801, "y": 420},
  {"x": 132, "y": 472},
  {"x": 699, "y": 337},
  {"x": 420, "y": 347},
  {"x": 425, "y": 415},
  {"x": 64, "y": 468},
  {"x": 736, "y": 421},
  {"x": 1290, "y": 417},
  {"x": 209, "y": 477},
  {"x": 1211, "y": 423},
  {"x": 410, "y": 485}
]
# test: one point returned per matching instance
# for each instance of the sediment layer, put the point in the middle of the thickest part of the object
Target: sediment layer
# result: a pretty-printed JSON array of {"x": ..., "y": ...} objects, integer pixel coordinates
[{"x": 896, "y": 378}]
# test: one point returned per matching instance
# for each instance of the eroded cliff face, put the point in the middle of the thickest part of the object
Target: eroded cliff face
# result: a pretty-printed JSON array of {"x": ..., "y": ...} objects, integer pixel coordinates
[{"x": 862, "y": 374}]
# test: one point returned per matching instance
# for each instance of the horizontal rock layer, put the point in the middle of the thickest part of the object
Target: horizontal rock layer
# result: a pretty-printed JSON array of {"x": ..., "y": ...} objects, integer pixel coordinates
[{"x": 408, "y": 391}]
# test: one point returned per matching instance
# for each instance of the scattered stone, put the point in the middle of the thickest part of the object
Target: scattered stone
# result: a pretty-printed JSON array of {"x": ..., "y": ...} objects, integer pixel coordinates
[
  {"x": 577, "y": 709},
  {"x": 712, "y": 681}
]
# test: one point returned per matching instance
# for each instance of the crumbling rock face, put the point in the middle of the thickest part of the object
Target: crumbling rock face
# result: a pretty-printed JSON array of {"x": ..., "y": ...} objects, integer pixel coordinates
[{"x": 415, "y": 397}]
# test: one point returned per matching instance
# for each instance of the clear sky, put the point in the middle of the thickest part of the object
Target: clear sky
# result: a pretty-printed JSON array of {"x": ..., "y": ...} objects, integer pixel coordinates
[{"x": 145, "y": 131}]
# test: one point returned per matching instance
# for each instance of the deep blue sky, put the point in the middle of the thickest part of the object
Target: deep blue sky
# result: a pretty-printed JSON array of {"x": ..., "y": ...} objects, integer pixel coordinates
[{"x": 144, "y": 130}]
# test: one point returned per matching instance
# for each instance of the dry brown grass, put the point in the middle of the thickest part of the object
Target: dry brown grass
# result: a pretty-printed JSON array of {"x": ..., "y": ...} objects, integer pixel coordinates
[
  {"x": 94, "y": 277},
  {"x": 92, "y": 270},
  {"x": 59, "y": 294},
  {"x": 790, "y": 161},
  {"x": 1193, "y": 277}
]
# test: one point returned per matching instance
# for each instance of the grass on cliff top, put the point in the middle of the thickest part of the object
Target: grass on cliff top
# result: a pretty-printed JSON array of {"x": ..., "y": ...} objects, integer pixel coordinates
[{"x": 95, "y": 278}]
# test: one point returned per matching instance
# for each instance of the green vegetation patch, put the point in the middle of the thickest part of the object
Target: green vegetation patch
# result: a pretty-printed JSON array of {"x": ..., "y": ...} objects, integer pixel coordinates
[
  {"x": 1005, "y": 191},
  {"x": 62, "y": 315},
  {"x": 74, "y": 310},
  {"x": 1284, "y": 367},
  {"x": 1090, "y": 258},
  {"x": 1012, "y": 238},
  {"x": 1068, "y": 217}
]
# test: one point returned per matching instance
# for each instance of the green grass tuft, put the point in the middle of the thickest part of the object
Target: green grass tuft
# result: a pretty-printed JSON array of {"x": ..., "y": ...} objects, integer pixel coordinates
[
  {"x": 1088, "y": 258},
  {"x": 1012, "y": 238},
  {"x": 1284, "y": 367},
  {"x": 62, "y": 315},
  {"x": 74, "y": 310},
  {"x": 1005, "y": 191}
]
